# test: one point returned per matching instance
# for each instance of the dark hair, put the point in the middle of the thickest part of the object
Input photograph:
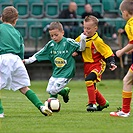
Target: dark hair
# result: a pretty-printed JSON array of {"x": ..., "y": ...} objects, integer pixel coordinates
[
  {"x": 55, "y": 25},
  {"x": 9, "y": 14}
]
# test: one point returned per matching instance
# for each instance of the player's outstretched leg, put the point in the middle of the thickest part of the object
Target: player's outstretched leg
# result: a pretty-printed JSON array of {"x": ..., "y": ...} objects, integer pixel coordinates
[
  {"x": 36, "y": 101},
  {"x": 1, "y": 110}
]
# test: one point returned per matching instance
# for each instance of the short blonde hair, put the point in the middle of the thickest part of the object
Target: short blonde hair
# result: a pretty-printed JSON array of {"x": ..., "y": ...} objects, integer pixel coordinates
[
  {"x": 127, "y": 5},
  {"x": 9, "y": 14},
  {"x": 91, "y": 18},
  {"x": 56, "y": 25}
]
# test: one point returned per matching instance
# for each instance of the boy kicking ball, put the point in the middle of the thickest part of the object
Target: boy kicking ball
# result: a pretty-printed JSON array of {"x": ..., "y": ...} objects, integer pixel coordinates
[
  {"x": 126, "y": 8},
  {"x": 13, "y": 74}
]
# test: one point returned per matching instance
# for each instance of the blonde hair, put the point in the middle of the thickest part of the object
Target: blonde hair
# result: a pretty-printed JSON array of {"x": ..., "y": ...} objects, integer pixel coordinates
[
  {"x": 127, "y": 5},
  {"x": 91, "y": 18},
  {"x": 9, "y": 14},
  {"x": 56, "y": 25}
]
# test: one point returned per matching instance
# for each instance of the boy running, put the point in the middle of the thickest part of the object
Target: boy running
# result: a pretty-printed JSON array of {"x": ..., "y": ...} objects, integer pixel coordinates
[
  {"x": 59, "y": 51},
  {"x": 94, "y": 56},
  {"x": 13, "y": 74},
  {"x": 126, "y": 8}
]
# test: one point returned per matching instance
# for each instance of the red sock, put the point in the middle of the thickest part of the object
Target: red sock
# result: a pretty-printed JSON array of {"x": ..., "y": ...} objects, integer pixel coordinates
[
  {"x": 127, "y": 97},
  {"x": 91, "y": 94},
  {"x": 99, "y": 98}
]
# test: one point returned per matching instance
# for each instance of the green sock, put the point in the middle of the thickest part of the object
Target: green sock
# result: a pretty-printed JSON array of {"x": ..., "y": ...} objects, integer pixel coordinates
[
  {"x": 1, "y": 108},
  {"x": 55, "y": 96},
  {"x": 62, "y": 92},
  {"x": 33, "y": 98}
]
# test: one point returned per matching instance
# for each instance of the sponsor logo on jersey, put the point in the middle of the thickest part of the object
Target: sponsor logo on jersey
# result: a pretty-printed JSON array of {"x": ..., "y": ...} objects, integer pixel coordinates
[{"x": 60, "y": 62}]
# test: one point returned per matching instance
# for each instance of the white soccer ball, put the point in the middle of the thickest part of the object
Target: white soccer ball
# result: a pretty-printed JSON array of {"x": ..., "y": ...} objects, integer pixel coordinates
[{"x": 53, "y": 104}]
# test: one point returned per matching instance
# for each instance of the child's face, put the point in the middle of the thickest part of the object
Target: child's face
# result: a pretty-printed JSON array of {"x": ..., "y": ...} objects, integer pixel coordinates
[
  {"x": 56, "y": 35},
  {"x": 89, "y": 28}
]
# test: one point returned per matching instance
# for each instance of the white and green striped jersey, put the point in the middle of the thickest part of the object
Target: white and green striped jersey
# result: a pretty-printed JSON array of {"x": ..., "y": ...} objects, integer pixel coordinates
[
  {"x": 11, "y": 40},
  {"x": 60, "y": 55}
]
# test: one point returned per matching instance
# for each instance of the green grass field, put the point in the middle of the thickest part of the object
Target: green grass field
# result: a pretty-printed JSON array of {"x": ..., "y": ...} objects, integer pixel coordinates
[{"x": 22, "y": 117}]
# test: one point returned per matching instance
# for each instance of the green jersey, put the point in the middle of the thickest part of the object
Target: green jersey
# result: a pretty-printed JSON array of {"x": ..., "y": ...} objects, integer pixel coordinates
[
  {"x": 11, "y": 40},
  {"x": 60, "y": 55}
]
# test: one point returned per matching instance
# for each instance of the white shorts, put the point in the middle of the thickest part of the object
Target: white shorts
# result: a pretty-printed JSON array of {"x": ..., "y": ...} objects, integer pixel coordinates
[
  {"x": 13, "y": 74},
  {"x": 55, "y": 85}
]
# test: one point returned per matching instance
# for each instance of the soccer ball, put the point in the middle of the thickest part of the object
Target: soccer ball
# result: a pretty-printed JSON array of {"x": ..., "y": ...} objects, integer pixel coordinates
[{"x": 53, "y": 104}]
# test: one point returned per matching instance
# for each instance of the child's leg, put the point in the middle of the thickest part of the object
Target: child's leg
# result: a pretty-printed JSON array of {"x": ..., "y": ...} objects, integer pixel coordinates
[
  {"x": 1, "y": 108},
  {"x": 103, "y": 103},
  {"x": 100, "y": 98},
  {"x": 126, "y": 96},
  {"x": 89, "y": 80},
  {"x": 127, "y": 91},
  {"x": 35, "y": 100},
  {"x": 91, "y": 92},
  {"x": 64, "y": 93},
  {"x": 56, "y": 86}
]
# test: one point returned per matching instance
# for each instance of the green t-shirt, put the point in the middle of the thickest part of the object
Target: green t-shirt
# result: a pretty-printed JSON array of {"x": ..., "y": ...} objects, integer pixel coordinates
[
  {"x": 60, "y": 55},
  {"x": 11, "y": 40}
]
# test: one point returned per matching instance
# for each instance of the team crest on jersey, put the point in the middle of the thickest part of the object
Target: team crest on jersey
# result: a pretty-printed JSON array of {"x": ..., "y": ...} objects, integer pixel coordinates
[{"x": 60, "y": 62}]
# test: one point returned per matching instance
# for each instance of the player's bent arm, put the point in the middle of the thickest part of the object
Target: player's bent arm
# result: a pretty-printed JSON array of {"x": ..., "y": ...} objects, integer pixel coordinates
[
  {"x": 30, "y": 60},
  {"x": 127, "y": 48}
]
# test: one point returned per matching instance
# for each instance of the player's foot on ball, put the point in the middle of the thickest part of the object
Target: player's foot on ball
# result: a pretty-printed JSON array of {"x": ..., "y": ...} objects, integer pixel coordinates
[
  {"x": 119, "y": 113},
  {"x": 66, "y": 96},
  {"x": 2, "y": 115},
  {"x": 45, "y": 111},
  {"x": 91, "y": 107},
  {"x": 100, "y": 108}
]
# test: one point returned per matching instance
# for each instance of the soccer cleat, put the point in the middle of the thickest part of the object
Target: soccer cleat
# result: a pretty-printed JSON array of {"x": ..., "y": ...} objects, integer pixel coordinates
[
  {"x": 45, "y": 111},
  {"x": 119, "y": 114},
  {"x": 66, "y": 96},
  {"x": 91, "y": 107},
  {"x": 2, "y": 115},
  {"x": 100, "y": 108}
]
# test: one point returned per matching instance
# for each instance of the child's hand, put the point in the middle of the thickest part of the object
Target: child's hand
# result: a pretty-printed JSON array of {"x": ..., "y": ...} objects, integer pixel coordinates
[
  {"x": 23, "y": 61},
  {"x": 112, "y": 67},
  {"x": 75, "y": 54}
]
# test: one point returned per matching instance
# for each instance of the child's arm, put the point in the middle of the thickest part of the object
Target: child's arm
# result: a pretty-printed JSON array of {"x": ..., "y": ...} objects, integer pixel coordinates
[
  {"x": 30, "y": 60},
  {"x": 127, "y": 48}
]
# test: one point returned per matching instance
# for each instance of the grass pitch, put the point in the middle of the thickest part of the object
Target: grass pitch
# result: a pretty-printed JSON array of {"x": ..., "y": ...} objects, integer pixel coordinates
[{"x": 22, "y": 117}]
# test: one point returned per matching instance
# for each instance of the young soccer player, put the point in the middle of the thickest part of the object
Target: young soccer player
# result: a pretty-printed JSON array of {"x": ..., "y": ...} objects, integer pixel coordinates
[
  {"x": 13, "y": 74},
  {"x": 59, "y": 51},
  {"x": 126, "y": 8},
  {"x": 94, "y": 56}
]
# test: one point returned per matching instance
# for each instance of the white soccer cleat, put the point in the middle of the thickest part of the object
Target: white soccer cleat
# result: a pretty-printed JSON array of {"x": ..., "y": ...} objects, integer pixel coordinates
[
  {"x": 120, "y": 114},
  {"x": 44, "y": 110},
  {"x": 2, "y": 115}
]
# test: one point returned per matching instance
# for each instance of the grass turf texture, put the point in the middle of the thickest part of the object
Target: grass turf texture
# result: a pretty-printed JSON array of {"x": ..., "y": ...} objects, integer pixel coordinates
[{"x": 22, "y": 117}]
